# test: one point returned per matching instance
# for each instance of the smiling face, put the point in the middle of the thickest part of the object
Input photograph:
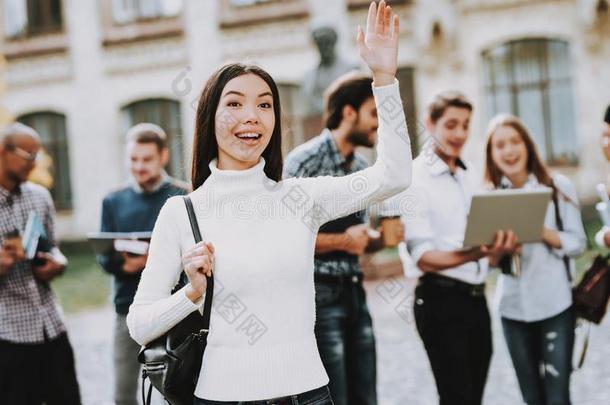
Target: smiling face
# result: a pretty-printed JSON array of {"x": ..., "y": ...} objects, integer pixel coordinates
[
  {"x": 509, "y": 151},
  {"x": 146, "y": 162},
  {"x": 244, "y": 122},
  {"x": 451, "y": 131}
]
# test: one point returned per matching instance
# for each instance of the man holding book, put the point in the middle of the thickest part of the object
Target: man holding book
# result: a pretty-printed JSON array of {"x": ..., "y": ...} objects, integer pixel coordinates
[
  {"x": 36, "y": 358},
  {"x": 134, "y": 208}
]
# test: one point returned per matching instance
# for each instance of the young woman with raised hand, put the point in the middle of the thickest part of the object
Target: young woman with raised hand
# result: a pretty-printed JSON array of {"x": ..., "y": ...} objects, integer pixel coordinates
[
  {"x": 259, "y": 232},
  {"x": 536, "y": 306}
]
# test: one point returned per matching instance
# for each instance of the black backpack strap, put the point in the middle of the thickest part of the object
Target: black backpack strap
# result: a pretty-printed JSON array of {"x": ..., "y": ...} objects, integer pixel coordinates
[
  {"x": 209, "y": 292},
  {"x": 146, "y": 398},
  {"x": 559, "y": 221}
]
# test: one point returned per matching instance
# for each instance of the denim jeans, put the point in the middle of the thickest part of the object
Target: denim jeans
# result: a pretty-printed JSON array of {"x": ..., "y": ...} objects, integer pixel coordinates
[
  {"x": 318, "y": 396},
  {"x": 344, "y": 333},
  {"x": 542, "y": 356}
]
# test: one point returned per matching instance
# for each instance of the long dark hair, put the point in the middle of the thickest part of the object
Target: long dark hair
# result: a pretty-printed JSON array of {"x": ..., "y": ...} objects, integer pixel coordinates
[{"x": 205, "y": 146}]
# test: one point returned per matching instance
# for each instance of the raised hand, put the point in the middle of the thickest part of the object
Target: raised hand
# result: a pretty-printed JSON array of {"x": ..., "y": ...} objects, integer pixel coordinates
[{"x": 378, "y": 47}]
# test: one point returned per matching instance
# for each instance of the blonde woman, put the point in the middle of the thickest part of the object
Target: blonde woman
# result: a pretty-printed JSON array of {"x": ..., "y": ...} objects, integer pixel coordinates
[{"x": 536, "y": 307}]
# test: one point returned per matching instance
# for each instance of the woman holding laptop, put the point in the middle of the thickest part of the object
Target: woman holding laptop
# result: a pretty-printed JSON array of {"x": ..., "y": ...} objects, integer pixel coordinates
[{"x": 536, "y": 306}]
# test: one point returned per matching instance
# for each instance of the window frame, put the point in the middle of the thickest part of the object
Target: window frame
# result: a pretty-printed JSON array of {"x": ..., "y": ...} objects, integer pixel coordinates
[
  {"x": 543, "y": 86},
  {"x": 61, "y": 168},
  {"x": 138, "y": 14},
  {"x": 138, "y": 30},
  {"x": 175, "y": 136},
  {"x": 31, "y": 9},
  {"x": 234, "y": 16}
]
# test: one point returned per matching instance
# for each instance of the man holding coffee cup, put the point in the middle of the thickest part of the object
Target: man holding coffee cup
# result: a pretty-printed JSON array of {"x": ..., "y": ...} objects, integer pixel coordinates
[
  {"x": 343, "y": 324},
  {"x": 36, "y": 355}
]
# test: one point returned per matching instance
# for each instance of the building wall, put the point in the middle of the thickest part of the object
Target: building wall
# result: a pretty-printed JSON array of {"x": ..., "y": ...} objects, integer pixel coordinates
[
  {"x": 4, "y": 115},
  {"x": 89, "y": 82}
]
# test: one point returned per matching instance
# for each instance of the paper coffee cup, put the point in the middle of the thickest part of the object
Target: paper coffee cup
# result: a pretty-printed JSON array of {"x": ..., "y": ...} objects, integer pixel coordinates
[{"x": 391, "y": 231}]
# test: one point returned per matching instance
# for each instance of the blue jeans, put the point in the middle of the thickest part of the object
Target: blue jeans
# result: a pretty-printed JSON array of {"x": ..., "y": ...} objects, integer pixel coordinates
[
  {"x": 344, "y": 333},
  {"x": 318, "y": 396},
  {"x": 542, "y": 356}
]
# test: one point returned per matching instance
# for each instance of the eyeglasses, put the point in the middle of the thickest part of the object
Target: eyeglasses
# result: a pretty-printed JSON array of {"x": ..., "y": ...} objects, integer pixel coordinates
[{"x": 22, "y": 153}]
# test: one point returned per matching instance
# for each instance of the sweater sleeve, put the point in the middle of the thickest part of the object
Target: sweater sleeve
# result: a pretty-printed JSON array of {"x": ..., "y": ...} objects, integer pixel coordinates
[
  {"x": 336, "y": 197},
  {"x": 155, "y": 310},
  {"x": 573, "y": 237},
  {"x": 111, "y": 262}
]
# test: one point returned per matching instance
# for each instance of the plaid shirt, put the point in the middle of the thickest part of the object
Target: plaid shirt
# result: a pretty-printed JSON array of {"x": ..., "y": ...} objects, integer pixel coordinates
[
  {"x": 28, "y": 308},
  {"x": 320, "y": 157}
]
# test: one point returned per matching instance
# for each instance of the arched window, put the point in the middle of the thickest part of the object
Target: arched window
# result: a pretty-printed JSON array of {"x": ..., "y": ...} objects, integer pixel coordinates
[
  {"x": 51, "y": 127},
  {"x": 531, "y": 78},
  {"x": 166, "y": 114}
]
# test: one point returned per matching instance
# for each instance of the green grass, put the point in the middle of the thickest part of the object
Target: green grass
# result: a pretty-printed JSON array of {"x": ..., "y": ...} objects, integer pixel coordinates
[
  {"x": 84, "y": 284},
  {"x": 592, "y": 225}
]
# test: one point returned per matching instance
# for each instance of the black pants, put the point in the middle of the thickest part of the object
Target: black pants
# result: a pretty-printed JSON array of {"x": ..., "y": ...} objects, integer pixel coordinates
[
  {"x": 455, "y": 327},
  {"x": 33, "y": 374}
]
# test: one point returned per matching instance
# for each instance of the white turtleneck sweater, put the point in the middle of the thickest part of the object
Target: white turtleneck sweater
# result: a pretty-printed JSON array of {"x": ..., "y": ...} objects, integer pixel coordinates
[{"x": 261, "y": 343}]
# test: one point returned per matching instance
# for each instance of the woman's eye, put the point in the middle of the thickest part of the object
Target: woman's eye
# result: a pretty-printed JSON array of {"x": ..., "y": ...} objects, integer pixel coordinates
[
  {"x": 265, "y": 105},
  {"x": 232, "y": 104}
]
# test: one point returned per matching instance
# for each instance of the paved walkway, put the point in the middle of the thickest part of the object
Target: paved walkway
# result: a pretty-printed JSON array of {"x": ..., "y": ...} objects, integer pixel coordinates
[{"x": 404, "y": 375}]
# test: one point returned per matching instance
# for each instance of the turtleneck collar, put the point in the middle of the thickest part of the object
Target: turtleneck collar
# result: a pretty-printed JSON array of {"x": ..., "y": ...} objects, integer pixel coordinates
[{"x": 237, "y": 177}]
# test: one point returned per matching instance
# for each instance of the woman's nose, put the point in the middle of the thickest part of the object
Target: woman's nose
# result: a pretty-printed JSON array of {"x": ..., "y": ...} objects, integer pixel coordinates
[
  {"x": 250, "y": 115},
  {"x": 509, "y": 149}
]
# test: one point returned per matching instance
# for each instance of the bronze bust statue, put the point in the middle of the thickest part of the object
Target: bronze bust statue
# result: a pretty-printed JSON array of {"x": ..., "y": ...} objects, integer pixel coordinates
[{"x": 330, "y": 67}]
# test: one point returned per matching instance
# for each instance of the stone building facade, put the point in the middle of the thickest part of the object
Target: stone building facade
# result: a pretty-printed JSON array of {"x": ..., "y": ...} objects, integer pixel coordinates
[{"x": 81, "y": 72}]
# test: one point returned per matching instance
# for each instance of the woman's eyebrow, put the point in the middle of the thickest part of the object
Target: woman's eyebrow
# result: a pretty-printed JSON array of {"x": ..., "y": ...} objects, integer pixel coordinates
[
  {"x": 267, "y": 93},
  {"x": 233, "y": 92}
]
